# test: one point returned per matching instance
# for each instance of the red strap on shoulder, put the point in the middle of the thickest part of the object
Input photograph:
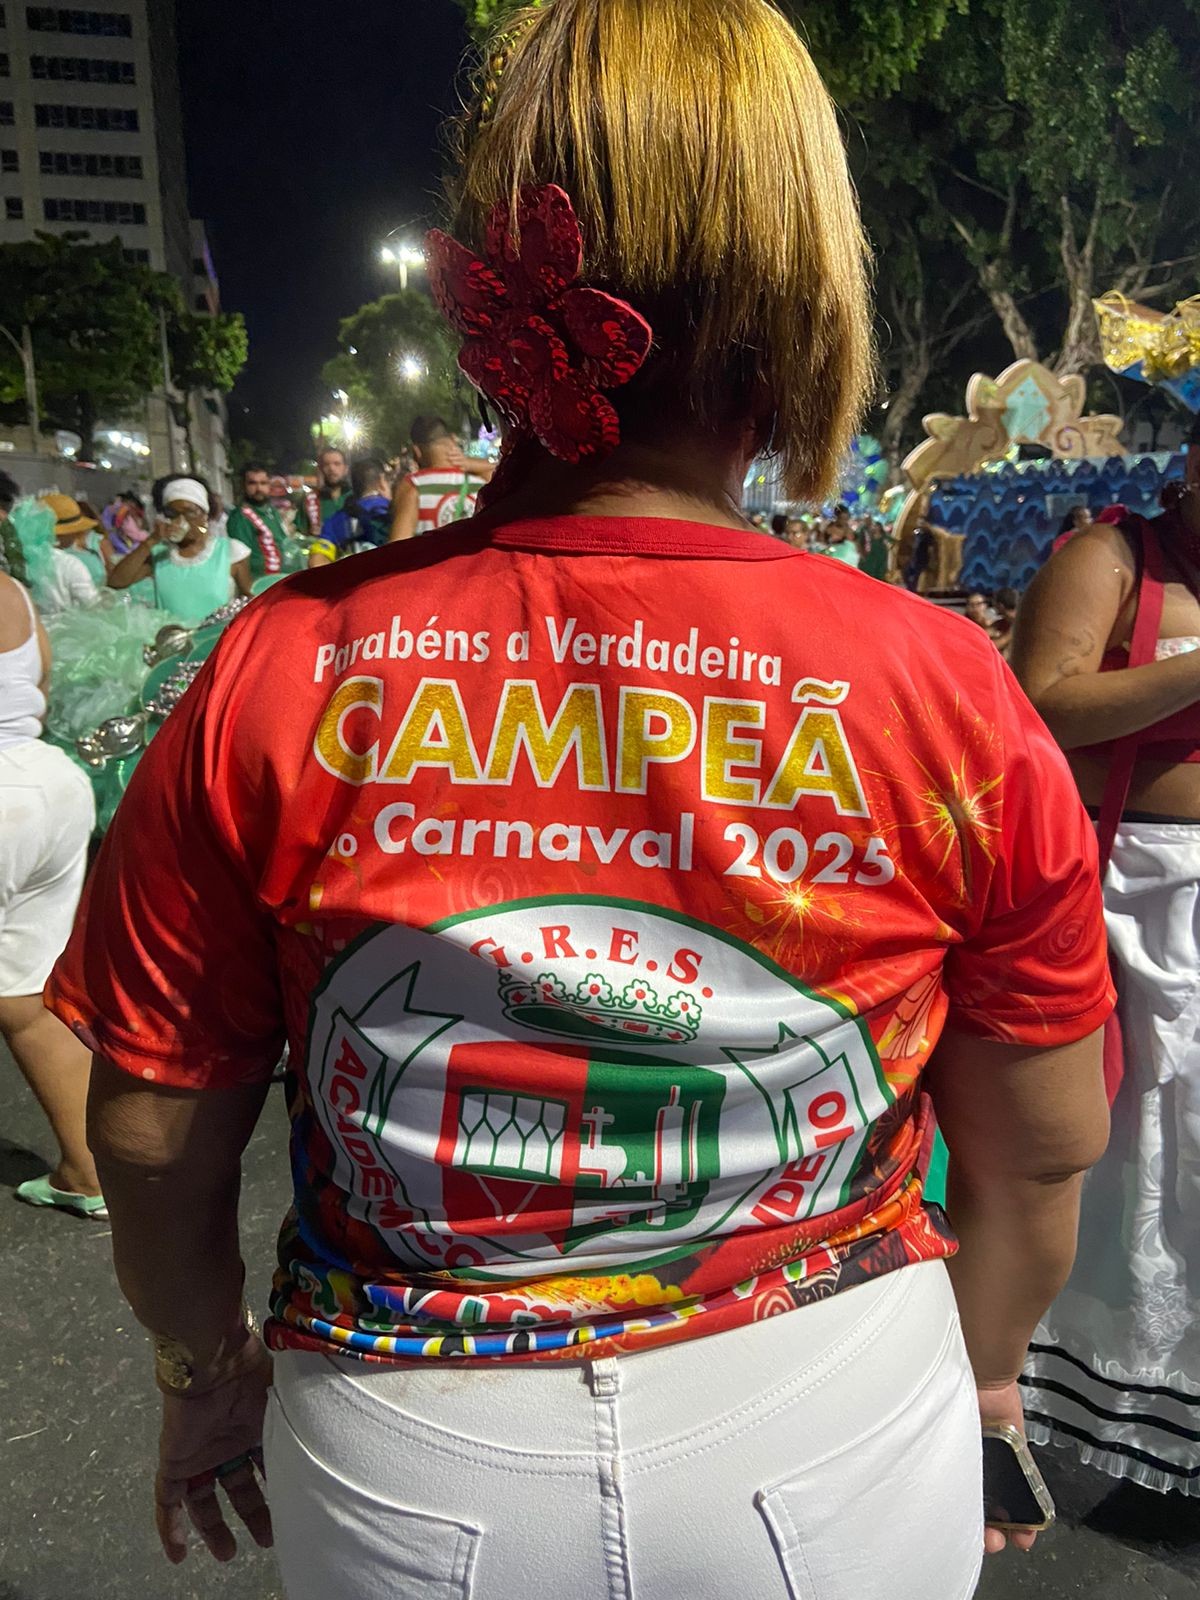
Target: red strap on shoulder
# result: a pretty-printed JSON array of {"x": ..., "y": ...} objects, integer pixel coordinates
[{"x": 1143, "y": 646}]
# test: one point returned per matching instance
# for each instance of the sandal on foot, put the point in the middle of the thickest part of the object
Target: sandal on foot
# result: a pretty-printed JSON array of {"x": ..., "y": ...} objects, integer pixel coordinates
[{"x": 41, "y": 1192}]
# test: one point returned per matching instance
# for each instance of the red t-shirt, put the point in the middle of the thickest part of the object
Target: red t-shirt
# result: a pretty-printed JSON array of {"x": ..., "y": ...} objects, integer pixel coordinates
[{"x": 611, "y": 881}]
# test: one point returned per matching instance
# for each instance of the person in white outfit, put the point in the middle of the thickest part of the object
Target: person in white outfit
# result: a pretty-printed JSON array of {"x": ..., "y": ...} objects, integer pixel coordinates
[
  {"x": 47, "y": 814},
  {"x": 69, "y": 586}
]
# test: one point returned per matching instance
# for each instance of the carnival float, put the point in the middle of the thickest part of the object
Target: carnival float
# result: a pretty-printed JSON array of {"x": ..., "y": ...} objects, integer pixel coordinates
[{"x": 997, "y": 513}]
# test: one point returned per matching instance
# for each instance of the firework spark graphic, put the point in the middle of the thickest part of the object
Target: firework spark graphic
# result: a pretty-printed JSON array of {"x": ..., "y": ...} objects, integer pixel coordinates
[
  {"x": 957, "y": 806},
  {"x": 804, "y": 928}
]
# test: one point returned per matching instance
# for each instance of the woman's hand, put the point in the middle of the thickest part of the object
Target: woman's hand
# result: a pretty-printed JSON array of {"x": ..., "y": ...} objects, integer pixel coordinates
[
  {"x": 1002, "y": 1407},
  {"x": 201, "y": 1434}
]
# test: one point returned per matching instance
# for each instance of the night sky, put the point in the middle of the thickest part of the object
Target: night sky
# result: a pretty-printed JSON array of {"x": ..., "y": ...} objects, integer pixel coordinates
[{"x": 312, "y": 132}]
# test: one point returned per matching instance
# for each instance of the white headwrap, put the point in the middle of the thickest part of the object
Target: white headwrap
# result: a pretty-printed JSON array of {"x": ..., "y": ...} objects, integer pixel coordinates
[{"x": 186, "y": 489}]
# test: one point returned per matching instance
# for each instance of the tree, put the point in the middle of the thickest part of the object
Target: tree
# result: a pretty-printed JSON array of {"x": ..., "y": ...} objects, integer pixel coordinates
[
  {"x": 399, "y": 359},
  {"x": 1049, "y": 151},
  {"x": 1115, "y": 196},
  {"x": 1036, "y": 156},
  {"x": 207, "y": 352},
  {"x": 94, "y": 317},
  {"x": 243, "y": 450}
]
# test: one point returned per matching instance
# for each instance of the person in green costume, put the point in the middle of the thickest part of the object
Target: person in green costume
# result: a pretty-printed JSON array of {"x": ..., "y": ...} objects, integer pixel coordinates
[
  {"x": 187, "y": 570},
  {"x": 258, "y": 524},
  {"x": 876, "y": 548}
]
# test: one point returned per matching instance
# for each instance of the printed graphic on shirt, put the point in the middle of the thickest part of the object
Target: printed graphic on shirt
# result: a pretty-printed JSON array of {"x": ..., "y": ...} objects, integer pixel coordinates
[
  {"x": 553, "y": 1081},
  {"x": 762, "y": 832},
  {"x": 454, "y": 507},
  {"x": 443, "y": 497}
]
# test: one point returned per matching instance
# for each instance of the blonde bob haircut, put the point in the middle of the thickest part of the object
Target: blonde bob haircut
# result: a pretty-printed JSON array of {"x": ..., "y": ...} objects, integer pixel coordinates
[{"x": 703, "y": 156}]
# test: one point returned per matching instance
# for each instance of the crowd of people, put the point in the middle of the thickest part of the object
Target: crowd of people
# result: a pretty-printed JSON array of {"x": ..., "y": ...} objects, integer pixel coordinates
[
  {"x": 862, "y": 542},
  {"x": 182, "y": 552},
  {"x": 631, "y": 896}
]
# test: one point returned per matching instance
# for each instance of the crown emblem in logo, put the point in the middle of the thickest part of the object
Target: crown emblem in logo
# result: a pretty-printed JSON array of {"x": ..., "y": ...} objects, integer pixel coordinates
[{"x": 593, "y": 1009}]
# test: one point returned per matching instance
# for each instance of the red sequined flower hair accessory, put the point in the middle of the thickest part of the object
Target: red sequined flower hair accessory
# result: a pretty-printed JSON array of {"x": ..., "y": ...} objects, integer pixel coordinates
[{"x": 539, "y": 345}]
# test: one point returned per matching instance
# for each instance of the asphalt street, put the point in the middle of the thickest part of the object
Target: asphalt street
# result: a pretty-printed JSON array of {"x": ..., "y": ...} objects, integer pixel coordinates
[{"x": 78, "y": 1418}]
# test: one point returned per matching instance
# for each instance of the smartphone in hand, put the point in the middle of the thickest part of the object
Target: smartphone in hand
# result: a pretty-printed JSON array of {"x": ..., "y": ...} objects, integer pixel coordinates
[{"x": 1015, "y": 1496}]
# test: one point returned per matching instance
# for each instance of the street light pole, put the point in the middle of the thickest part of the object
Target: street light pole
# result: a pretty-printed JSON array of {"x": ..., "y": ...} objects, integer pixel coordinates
[
  {"x": 168, "y": 385},
  {"x": 405, "y": 258},
  {"x": 24, "y": 349},
  {"x": 31, "y": 388}
]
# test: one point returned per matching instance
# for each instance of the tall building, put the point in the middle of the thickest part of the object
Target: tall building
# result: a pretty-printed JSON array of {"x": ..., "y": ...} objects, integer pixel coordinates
[
  {"x": 91, "y": 134},
  {"x": 91, "y": 140}
]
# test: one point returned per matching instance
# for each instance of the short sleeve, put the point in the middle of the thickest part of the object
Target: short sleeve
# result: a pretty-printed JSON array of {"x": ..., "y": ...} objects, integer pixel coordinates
[
  {"x": 79, "y": 589},
  {"x": 171, "y": 972},
  {"x": 237, "y": 551},
  {"x": 1035, "y": 969}
]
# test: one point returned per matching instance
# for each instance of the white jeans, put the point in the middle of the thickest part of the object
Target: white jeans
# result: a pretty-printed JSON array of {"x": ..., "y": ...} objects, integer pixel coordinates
[
  {"x": 46, "y": 817},
  {"x": 832, "y": 1453}
]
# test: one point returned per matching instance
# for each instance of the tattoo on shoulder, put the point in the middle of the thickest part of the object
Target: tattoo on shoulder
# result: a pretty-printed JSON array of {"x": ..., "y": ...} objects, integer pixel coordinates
[{"x": 1078, "y": 647}]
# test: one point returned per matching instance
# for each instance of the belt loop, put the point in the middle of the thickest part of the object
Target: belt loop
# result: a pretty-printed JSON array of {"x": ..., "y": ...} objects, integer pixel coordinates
[{"x": 604, "y": 1377}]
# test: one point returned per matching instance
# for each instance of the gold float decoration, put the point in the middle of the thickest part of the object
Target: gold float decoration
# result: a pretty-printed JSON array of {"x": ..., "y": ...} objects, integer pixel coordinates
[{"x": 1165, "y": 343}]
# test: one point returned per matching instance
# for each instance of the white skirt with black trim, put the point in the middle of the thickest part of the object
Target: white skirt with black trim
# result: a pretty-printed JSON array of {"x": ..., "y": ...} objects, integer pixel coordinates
[{"x": 1114, "y": 1369}]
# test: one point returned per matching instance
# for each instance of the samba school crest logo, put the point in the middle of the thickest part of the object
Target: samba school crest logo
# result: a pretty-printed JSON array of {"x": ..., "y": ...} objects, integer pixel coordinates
[{"x": 536, "y": 1080}]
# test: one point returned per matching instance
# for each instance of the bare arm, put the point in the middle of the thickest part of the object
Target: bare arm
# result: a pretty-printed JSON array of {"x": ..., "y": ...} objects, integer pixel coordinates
[
  {"x": 135, "y": 566},
  {"x": 44, "y": 651},
  {"x": 241, "y": 577},
  {"x": 406, "y": 508},
  {"x": 170, "y": 1167},
  {"x": 1022, "y": 1126},
  {"x": 1065, "y": 622}
]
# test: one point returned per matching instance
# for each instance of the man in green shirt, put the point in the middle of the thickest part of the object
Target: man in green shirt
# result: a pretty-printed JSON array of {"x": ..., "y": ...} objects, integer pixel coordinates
[
  {"x": 333, "y": 490},
  {"x": 258, "y": 524}
]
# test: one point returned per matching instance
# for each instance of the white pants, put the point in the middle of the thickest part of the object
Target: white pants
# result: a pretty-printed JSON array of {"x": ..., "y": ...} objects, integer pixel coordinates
[
  {"x": 832, "y": 1453},
  {"x": 46, "y": 817}
]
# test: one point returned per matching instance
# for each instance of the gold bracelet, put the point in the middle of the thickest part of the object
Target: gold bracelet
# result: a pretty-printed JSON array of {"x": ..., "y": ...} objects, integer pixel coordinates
[{"x": 174, "y": 1363}]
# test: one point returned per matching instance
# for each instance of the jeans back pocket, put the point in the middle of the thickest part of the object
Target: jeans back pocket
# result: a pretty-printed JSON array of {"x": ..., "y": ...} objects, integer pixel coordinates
[
  {"x": 336, "y": 1538},
  {"x": 897, "y": 1514}
]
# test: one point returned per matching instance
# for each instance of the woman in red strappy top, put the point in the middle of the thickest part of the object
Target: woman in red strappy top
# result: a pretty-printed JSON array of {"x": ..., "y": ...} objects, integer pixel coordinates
[{"x": 1108, "y": 648}]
